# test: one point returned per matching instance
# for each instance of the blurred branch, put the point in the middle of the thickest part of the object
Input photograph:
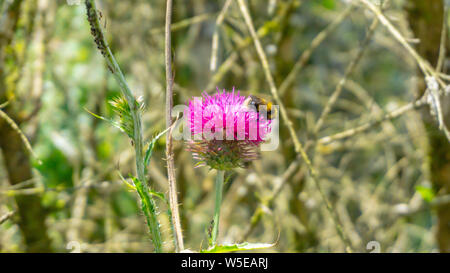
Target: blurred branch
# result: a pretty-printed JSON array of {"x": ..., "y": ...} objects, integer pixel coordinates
[
  {"x": 444, "y": 38},
  {"x": 348, "y": 71},
  {"x": 26, "y": 191},
  {"x": 362, "y": 128},
  {"x": 256, "y": 216},
  {"x": 6, "y": 216},
  {"x": 424, "y": 65},
  {"x": 8, "y": 25},
  {"x": 405, "y": 210},
  {"x": 215, "y": 38},
  {"x": 14, "y": 145},
  {"x": 316, "y": 42},
  {"x": 262, "y": 32},
  {"x": 298, "y": 146},
  {"x": 16, "y": 128},
  {"x": 173, "y": 199},
  {"x": 368, "y": 100},
  {"x": 184, "y": 23},
  {"x": 3, "y": 105}
]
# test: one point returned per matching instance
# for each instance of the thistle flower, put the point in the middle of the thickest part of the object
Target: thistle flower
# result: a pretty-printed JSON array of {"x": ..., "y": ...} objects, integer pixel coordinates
[{"x": 226, "y": 133}]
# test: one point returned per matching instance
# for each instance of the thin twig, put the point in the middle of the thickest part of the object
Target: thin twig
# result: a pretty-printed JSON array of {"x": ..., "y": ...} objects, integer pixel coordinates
[
  {"x": 6, "y": 216},
  {"x": 215, "y": 38},
  {"x": 3, "y": 105},
  {"x": 443, "y": 45},
  {"x": 298, "y": 146},
  {"x": 362, "y": 128},
  {"x": 184, "y": 23},
  {"x": 424, "y": 65},
  {"x": 288, "y": 173},
  {"x": 16, "y": 128},
  {"x": 173, "y": 199},
  {"x": 438, "y": 201},
  {"x": 348, "y": 71},
  {"x": 247, "y": 41},
  {"x": 316, "y": 42},
  {"x": 292, "y": 168}
]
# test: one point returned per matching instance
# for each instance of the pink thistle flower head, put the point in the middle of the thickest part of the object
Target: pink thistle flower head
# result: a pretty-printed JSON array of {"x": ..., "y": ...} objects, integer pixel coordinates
[{"x": 225, "y": 132}]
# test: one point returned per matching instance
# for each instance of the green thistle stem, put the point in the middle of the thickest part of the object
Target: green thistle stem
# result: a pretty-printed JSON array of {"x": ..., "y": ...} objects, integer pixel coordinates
[
  {"x": 219, "y": 188},
  {"x": 148, "y": 205}
]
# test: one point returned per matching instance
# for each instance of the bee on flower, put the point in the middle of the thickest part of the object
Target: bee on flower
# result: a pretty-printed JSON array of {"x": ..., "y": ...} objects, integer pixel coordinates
[{"x": 226, "y": 130}]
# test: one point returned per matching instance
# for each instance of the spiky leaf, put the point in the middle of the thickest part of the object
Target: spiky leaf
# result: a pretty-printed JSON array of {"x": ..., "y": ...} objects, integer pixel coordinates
[
  {"x": 112, "y": 122},
  {"x": 151, "y": 145},
  {"x": 131, "y": 187}
]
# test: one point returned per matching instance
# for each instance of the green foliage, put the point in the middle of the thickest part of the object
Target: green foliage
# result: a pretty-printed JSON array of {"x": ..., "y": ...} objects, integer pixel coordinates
[
  {"x": 55, "y": 168},
  {"x": 236, "y": 247},
  {"x": 426, "y": 193},
  {"x": 125, "y": 204},
  {"x": 328, "y": 4}
]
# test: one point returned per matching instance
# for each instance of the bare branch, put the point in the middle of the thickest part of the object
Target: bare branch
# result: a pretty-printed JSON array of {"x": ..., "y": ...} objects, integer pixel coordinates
[{"x": 173, "y": 199}]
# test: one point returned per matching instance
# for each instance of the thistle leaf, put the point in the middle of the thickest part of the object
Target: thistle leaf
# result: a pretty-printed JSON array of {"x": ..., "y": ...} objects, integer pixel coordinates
[
  {"x": 160, "y": 195},
  {"x": 112, "y": 122},
  {"x": 151, "y": 145},
  {"x": 138, "y": 183},
  {"x": 131, "y": 187}
]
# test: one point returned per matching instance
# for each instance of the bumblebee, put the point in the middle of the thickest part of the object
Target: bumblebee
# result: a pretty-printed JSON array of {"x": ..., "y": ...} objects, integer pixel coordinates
[{"x": 257, "y": 102}]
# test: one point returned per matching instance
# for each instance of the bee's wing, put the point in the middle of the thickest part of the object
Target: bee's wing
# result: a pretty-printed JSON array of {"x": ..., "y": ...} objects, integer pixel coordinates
[
  {"x": 263, "y": 98},
  {"x": 247, "y": 101}
]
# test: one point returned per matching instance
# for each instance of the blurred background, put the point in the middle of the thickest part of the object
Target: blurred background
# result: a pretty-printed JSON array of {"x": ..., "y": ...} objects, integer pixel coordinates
[{"x": 388, "y": 181}]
